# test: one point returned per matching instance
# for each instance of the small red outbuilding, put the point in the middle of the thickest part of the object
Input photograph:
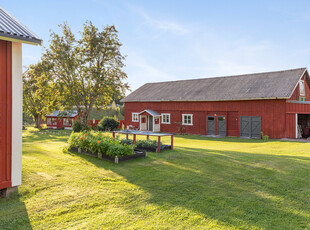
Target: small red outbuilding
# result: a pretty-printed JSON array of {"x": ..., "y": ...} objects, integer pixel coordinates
[
  {"x": 61, "y": 119},
  {"x": 12, "y": 35},
  {"x": 275, "y": 103}
]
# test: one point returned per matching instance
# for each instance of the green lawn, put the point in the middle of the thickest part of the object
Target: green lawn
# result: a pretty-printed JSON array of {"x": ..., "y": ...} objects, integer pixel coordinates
[{"x": 203, "y": 184}]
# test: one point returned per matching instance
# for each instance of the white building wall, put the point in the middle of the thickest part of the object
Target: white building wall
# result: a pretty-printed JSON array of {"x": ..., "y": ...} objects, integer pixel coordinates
[{"x": 17, "y": 113}]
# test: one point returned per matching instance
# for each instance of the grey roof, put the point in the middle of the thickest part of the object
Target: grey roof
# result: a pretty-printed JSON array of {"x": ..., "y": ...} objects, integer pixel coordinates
[
  {"x": 268, "y": 85},
  {"x": 11, "y": 28},
  {"x": 63, "y": 114},
  {"x": 151, "y": 112}
]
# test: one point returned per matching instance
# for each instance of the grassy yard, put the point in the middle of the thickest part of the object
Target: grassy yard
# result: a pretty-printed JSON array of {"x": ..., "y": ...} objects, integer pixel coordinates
[{"x": 203, "y": 184}]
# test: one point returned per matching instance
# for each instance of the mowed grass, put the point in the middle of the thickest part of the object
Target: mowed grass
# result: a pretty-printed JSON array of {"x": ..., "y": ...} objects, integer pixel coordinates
[{"x": 204, "y": 183}]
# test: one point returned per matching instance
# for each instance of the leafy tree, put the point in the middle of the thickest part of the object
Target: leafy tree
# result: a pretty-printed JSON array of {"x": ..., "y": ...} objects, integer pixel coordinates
[
  {"x": 87, "y": 71},
  {"x": 39, "y": 93}
]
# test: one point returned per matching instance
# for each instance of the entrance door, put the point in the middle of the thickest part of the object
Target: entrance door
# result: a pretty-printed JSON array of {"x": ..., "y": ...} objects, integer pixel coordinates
[
  {"x": 150, "y": 123},
  {"x": 250, "y": 126},
  {"x": 211, "y": 125},
  {"x": 221, "y": 126}
]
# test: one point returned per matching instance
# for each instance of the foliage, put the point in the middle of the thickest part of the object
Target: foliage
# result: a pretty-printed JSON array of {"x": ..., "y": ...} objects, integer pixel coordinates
[
  {"x": 97, "y": 142},
  {"x": 108, "y": 124},
  {"x": 39, "y": 93},
  {"x": 126, "y": 141},
  {"x": 98, "y": 114},
  {"x": 147, "y": 143},
  {"x": 77, "y": 126},
  {"x": 88, "y": 71},
  {"x": 264, "y": 137}
]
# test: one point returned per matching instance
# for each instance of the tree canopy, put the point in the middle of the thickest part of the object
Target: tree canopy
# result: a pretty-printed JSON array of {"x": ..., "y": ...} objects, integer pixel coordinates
[{"x": 87, "y": 72}]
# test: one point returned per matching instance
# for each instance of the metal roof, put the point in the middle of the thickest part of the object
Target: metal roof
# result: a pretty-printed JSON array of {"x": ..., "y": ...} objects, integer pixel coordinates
[
  {"x": 57, "y": 113},
  {"x": 151, "y": 112},
  {"x": 13, "y": 30},
  {"x": 269, "y": 85}
]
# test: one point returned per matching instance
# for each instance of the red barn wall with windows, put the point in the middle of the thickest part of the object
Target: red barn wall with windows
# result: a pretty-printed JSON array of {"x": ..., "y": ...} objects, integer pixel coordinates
[
  {"x": 5, "y": 113},
  {"x": 272, "y": 112}
]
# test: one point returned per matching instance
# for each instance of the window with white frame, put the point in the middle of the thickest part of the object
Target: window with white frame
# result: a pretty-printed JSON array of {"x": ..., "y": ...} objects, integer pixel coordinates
[
  {"x": 187, "y": 119},
  {"x": 302, "y": 88},
  {"x": 165, "y": 118},
  {"x": 135, "y": 117}
]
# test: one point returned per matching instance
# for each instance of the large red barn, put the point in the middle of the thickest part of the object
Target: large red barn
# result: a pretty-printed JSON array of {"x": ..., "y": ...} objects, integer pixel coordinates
[{"x": 275, "y": 103}]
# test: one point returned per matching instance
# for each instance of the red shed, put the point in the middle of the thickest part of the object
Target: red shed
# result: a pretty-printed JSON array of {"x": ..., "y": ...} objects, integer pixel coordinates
[
  {"x": 275, "y": 103},
  {"x": 12, "y": 35},
  {"x": 61, "y": 119}
]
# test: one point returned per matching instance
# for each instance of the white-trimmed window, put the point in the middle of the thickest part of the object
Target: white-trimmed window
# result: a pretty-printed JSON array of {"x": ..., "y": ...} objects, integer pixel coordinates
[
  {"x": 165, "y": 118},
  {"x": 135, "y": 117},
  {"x": 187, "y": 119},
  {"x": 302, "y": 88}
]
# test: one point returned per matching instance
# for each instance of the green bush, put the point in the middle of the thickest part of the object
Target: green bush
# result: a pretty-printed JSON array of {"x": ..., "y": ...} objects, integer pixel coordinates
[
  {"x": 117, "y": 149},
  {"x": 77, "y": 126},
  {"x": 97, "y": 142},
  {"x": 108, "y": 124},
  {"x": 127, "y": 141},
  {"x": 147, "y": 143}
]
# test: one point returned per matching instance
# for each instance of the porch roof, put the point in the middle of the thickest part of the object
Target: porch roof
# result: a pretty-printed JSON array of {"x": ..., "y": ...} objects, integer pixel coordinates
[{"x": 151, "y": 112}]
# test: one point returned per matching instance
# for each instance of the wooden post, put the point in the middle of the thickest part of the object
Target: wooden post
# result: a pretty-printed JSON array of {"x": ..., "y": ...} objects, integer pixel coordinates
[
  {"x": 158, "y": 146},
  {"x": 113, "y": 134},
  {"x": 147, "y": 137},
  {"x": 171, "y": 142},
  {"x": 134, "y": 138},
  {"x": 126, "y": 136}
]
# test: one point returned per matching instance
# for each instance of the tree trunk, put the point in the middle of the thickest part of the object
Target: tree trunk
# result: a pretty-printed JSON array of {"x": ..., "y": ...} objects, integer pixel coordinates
[{"x": 38, "y": 121}]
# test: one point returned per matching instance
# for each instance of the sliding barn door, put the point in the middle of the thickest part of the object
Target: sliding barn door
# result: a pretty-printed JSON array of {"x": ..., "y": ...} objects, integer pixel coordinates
[{"x": 5, "y": 113}]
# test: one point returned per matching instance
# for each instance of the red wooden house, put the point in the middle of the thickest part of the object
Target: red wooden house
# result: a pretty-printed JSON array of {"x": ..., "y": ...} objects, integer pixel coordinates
[
  {"x": 12, "y": 35},
  {"x": 61, "y": 119},
  {"x": 275, "y": 103}
]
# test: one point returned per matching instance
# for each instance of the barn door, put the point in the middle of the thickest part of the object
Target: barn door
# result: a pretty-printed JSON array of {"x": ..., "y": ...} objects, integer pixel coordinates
[
  {"x": 250, "y": 126},
  {"x": 221, "y": 126},
  {"x": 5, "y": 114},
  {"x": 151, "y": 123},
  {"x": 211, "y": 125}
]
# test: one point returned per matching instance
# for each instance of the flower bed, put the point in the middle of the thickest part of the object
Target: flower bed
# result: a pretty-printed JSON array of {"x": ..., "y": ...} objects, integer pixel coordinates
[{"x": 104, "y": 147}]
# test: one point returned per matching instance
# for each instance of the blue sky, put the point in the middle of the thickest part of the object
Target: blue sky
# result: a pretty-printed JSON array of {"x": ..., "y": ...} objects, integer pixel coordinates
[{"x": 172, "y": 40}]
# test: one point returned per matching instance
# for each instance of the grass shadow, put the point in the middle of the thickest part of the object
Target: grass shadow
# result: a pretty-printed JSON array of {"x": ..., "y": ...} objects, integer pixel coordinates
[
  {"x": 13, "y": 213},
  {"x": 238, "y": 189}
]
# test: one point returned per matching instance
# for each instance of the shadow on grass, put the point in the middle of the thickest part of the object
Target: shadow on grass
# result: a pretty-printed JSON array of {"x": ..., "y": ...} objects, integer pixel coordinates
[
  {"x": 233, "y": 139},
  {"x": 13, "y": 213},
  {"x": 46, "y": 134},
  {"x": 237, "y": 189}
]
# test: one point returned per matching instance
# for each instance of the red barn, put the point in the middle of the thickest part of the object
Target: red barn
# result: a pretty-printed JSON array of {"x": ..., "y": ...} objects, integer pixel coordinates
[
  {"x": 59, "y": 119},
  {"x": 12, "y": 35},
  {"x": 275, "y": 103}
]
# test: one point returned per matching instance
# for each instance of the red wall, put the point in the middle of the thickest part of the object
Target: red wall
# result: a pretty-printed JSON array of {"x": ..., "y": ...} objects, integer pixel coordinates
[
  {"x": 5, "y": 113},
  {"x": 273, "y": 113},
  {"x": 296, "y": 93}
]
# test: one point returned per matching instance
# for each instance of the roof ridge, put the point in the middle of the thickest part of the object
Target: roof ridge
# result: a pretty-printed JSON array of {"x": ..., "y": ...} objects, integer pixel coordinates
[{"x": 231, "y": 76}]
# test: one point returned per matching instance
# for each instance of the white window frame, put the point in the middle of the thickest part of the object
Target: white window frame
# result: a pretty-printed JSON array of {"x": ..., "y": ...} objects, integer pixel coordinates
[
  {"x": 304, "y": 88},
  {"x": 162, "y": 118},
  {"x": 133, "y": 115},
  {"x": 183, "y": 119}
]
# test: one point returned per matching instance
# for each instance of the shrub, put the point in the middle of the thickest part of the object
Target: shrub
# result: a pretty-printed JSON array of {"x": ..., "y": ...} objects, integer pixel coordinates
[
  {"x": 108, "y": 124},
  {"x": 264, "y": 137},
  {"x": 77, "y": 126},
  {"x": 96, "y": 142},
  {"x": 117, "y": 149},
  {"x": 147, "y": 143},
  {"x": 127, "y": 141}
]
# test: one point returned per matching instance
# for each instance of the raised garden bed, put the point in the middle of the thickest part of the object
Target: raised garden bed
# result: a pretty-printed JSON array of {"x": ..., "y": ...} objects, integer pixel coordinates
[
  {"x": 149, "y": 149},
  {"x": 137, "y": 153}
]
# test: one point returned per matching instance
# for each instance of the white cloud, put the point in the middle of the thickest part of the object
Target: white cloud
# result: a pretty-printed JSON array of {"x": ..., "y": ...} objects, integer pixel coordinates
[{"x": 161, "y": 24}]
